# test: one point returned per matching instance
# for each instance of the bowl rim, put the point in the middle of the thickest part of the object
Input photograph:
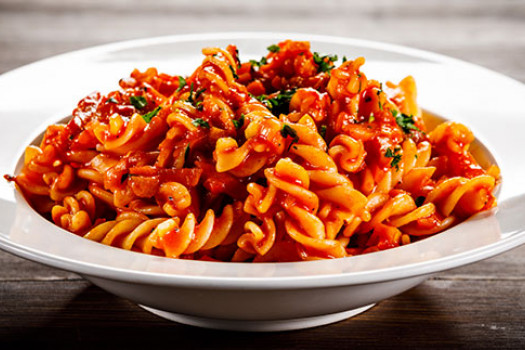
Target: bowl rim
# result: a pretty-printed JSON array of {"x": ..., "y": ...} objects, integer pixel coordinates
[{"x": 265, "y": 283}]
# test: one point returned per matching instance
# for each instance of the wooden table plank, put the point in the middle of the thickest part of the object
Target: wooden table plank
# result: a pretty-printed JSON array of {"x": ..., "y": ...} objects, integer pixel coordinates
[{"x": 438, "y": 313}]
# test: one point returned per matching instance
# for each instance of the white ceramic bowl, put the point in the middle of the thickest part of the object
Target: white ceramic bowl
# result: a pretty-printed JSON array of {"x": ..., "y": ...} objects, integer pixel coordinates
[{"x": 269, "y": 296}]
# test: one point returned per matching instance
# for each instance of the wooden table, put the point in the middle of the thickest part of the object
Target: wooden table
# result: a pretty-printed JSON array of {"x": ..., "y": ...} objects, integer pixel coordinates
[{"x": 477, "y": 306}]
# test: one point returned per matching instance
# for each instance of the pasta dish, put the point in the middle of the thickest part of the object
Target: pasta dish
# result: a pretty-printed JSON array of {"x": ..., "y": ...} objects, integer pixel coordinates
[{"x": 296, "y": 156}]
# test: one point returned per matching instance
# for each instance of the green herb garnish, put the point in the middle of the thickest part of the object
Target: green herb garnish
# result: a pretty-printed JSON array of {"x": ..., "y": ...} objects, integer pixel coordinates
[
  {"x": 280, "y": 104},
  {"x": 274, "y": 48},
  {"x": 255, "y": 63},
  {"x": 194, "y": 96},
  {"x": 263, "y": 99},
  {"x": 190, "y": 97},
  {"x": 405, "y": 122},
  {"x": 233, "y": 72},
  {"x": 148, "y": 116},
  {"x": 237, "y": 58},
  {"x": 111, "y": 100},
  {"x": 395, "y": 155},
  {"x": 286, "y": 131},
  {"x": 322, "y": 131},
  {"x": 379, "y": 98},
  {"x": 199, "y": 122},
  {"x": 239, "y": 122},
  {"x": 198, "y": 93},
  {"x": 324, "y": 63},
  {"x": 186, "y": 153},
  {"x": 182, "y": 83},
  {"x": 138, "y": 102}
]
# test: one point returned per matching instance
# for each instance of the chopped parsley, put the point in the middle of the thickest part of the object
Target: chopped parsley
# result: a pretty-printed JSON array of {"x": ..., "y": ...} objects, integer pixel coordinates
[
  {"x": 345, "y": 59},
  {"x": 379, "y": 97},
  {"x": 182, "y": 83},
  {"x": 186, "y": 153},
  {"x": 395, "y": 155},
  {"x": 274, "y": 48},
  {"x": 199, "y": 122},
  {"x": 138, "y": 102},
  {"x": 192, "y": 98},
  {"x": 237, "y": 58},
  {"x": 148, "y": 116},
  {"x": 198, "y": 93},
  {"x": 239, "y": 122},
  {"x": 233, "y": 72},
  {"x": 262, "y": 62},
  {"x": 286, "y": 131},
  {"x": 111, "y": 100},
  {"x": 324, "y": 63},
  {"x": 322, "y": 131},
  {"x": 371, "y": 118},
  {"x": 279, "y": 104},
  {"x": 405, "y": 122},
  {"x": 263, "y": 99}
]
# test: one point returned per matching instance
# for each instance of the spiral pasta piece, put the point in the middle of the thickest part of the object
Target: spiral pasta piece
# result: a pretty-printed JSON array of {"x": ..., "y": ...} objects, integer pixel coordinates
[
  {"x": 165, "y": 235},
  {"x": 348, "y": 153},
  {"x": 76, "y": 212},
  {"x": 258, "y": 239}
]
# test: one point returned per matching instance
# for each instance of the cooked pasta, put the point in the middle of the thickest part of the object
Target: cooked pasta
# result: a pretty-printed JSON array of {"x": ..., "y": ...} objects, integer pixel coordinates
[{"x": 292, "y": 157}]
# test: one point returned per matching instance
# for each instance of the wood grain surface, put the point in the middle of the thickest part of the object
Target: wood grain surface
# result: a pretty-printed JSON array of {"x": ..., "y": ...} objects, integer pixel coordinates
[{"x": 476, "y": 306}]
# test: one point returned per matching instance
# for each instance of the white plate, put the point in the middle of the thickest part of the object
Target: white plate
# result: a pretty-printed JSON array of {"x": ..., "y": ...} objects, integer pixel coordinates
[{"x": 271, "y": 296}]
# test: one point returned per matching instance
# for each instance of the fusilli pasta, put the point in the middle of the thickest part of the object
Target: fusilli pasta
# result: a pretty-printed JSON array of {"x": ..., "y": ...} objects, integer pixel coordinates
[{"x": 288, "y": 158}]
